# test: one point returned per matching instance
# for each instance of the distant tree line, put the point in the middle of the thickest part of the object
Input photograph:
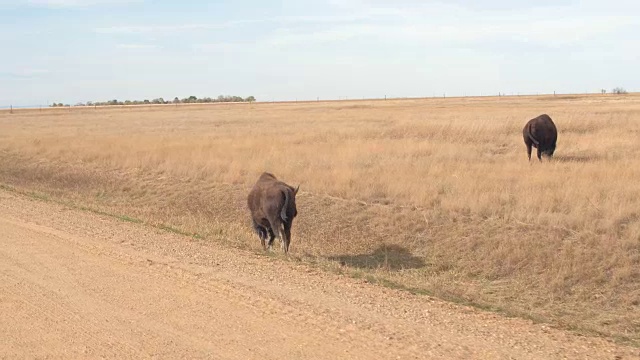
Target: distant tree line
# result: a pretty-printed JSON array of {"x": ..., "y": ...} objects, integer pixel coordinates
[{"x": 189, "y": 100}]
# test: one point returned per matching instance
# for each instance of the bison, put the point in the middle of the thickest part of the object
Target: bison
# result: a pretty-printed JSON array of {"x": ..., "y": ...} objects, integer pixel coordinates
[
  {"x": 542, "y": 134},
  {"x": 273, "y": 207}
]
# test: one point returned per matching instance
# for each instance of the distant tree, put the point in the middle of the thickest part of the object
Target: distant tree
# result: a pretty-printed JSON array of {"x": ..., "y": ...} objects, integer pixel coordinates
[
  {"x": 176, "y": 100},
  {"x": 619, "y": 91}
]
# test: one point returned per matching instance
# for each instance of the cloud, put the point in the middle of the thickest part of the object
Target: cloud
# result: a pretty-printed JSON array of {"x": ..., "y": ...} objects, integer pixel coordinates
[
  {"x": 137, "y": 46},
  {"x": 322, "y": 19},
  {"x": 417, "y": 6},
  {"x": 142, "y": 29},
  {"x": 464, "y": 28},
  {"x": 292, "y": 19},
  {"x": 76, "y": 3},
  {"x": 222, "y": 47},
  {"x": 423, "y": 22},
  {"x": 26, "y": 73},
  {"x": 287, "y": 37}
]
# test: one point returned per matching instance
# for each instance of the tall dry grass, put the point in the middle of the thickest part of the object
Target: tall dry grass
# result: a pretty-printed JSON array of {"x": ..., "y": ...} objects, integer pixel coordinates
[{"x": 435, "y": 194}]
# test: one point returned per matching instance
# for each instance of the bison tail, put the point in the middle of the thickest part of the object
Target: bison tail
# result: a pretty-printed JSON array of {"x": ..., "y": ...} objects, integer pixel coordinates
[
  {"x": 287, "y": 198},
  {"x": 530, "y": 135}
]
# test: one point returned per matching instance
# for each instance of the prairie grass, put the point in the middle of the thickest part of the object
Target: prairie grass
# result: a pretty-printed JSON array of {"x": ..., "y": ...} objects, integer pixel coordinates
[{"x": 428, "y": 194}]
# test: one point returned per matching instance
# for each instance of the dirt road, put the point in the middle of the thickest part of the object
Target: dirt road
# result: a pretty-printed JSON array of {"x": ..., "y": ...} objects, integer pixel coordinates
[{"x": 79, "y": 285}]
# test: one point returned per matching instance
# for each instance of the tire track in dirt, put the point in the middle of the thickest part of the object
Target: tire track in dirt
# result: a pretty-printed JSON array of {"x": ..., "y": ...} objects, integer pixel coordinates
[{"x": 39, "y": 293}]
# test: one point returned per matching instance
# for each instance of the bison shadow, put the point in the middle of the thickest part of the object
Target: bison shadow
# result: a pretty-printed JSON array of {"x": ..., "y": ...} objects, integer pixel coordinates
[
  {"x": 390, "y": 257},
  {"x": 575, "y": 158}
]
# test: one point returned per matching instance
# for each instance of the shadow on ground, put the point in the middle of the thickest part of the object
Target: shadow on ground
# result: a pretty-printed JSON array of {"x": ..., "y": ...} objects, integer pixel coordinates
[
  {"x": 390, "y": 257},
  {"x": 575, "y": 158}
]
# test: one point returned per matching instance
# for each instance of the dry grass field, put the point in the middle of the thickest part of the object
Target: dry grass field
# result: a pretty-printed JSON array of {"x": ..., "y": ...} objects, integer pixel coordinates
[{"x": 435, "y": 195}]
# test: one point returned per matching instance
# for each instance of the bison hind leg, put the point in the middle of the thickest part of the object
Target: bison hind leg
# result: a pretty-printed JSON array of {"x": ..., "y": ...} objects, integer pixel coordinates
[
  {"x": 286, "y": 232},
  {"x": 275, "y": 225},
  {"x": 283, "y": 236},
  {"x": 262, "y": 233},
  {"x": 272, "y": 236}
]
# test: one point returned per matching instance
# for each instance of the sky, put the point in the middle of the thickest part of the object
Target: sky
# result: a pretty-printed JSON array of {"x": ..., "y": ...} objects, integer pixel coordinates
[{"x": 74, "y": 51}]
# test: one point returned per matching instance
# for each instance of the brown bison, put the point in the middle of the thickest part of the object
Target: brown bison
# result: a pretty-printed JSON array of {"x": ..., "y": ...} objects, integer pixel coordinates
[
  {"x": 542, "y": 134},
  {"x": 273, "y": 206}
]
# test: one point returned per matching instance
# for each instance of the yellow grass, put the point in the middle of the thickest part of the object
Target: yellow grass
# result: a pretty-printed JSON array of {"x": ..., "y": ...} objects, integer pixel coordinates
[{"x": 433, "y": 194}]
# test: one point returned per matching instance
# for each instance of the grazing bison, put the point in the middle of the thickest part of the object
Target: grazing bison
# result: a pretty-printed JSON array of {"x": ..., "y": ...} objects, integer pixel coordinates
[
  {"x": 542, "y": 134},
  {"x": 273, "y": 206}
]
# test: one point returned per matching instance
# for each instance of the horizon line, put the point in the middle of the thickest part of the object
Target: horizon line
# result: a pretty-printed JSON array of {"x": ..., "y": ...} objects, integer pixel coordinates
[{"x": 318, "y": 99}]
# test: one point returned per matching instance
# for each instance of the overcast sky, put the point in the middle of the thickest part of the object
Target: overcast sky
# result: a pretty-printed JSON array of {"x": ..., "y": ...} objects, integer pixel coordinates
[{"x": 76, "y": 50}]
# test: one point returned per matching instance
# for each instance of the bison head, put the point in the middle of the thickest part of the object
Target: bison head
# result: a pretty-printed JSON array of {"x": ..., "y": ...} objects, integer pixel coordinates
[{"x": 549, "y": 151}]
